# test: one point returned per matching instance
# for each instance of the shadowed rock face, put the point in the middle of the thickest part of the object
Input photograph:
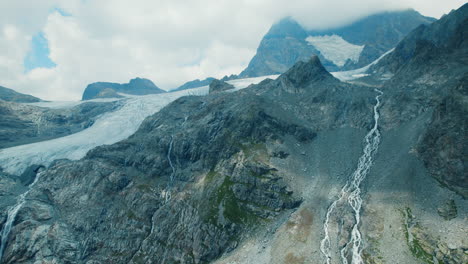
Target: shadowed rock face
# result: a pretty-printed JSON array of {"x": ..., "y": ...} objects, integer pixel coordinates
[
  {"x": 217, "y": 86},
  {"x": 444, "y": 147},
  {"x": 447, "y": 34},
  {"x": 430, "y": 68},
  {"x": 137, "y": 86}
]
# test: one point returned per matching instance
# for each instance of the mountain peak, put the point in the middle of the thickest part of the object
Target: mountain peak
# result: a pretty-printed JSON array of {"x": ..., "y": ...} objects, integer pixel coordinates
[
  {"x": 286, "y": 27},
  {"x": 303, "y": 73},
  {"x": 11, "y": 95},
  {"x": 217, "y": 86},
  {"x": 142, "y": 82}
]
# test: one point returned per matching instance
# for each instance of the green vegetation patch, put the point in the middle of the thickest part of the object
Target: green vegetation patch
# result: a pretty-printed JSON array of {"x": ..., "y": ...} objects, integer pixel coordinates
[
  {"x": 413, "y": 242},
  {"x": 226, "y": 202}
]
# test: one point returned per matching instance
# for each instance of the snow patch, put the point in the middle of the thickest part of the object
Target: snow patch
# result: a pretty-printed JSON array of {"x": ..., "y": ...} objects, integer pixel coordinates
[
  {"x": 357, "y": 73},
  {"x": 335, "y": 49},
  {"x": 244, "y": 83}
]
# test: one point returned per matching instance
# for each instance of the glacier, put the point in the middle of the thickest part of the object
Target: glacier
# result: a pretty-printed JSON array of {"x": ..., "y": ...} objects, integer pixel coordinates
[
  {"x": 335, "y": 49},
  {"x": 357, "y": 73},
  {"x": 70, "y": 104},
  {"x": 109, "y": 128}
]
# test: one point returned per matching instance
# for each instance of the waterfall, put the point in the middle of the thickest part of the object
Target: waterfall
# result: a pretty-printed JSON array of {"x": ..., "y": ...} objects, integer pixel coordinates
[
  {"x": 167, "y": 193},
  {"x": 11, "y": 215},
  {"x": 351, "y": 193}
]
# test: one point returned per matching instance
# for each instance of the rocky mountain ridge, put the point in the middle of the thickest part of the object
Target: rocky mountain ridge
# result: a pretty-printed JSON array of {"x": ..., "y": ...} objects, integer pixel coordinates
[
  {"x": 249, "y": 176},
  {"x": 137, "y": 86},
  {"x": 287, "y": 42},
  {"x": 238, "y": 183},
  {"x": 10, "y": 95},
  {"x": 194, "y": 84}
]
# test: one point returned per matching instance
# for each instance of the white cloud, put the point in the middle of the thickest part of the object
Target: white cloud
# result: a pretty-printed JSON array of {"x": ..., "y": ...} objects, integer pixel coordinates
[{"x": 167, "y": 41}]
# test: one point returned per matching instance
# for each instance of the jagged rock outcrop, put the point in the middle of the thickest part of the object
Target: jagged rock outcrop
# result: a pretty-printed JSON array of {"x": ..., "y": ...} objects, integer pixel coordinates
[
  {"x": 285, "y": 43},
  {"x": 137, "y": 86},
  {"x": 447, "y": 34},
  {"x": 10, "y": 95},
  {"x": 217, "y": 86}
]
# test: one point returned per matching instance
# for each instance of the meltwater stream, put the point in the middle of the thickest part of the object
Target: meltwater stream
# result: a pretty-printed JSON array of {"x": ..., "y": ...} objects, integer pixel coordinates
[
  {"x": 351, "y": 194},
  {"x": 11, "y": 215}
]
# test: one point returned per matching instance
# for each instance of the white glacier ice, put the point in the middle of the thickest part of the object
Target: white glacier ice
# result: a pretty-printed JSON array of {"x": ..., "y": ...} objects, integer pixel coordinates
[
  {"x": 69, "y": 104},
  {"x": 335, "y": 49},
  {"x": 109, "y": 128},
  {"x": 357, "y": 73}
]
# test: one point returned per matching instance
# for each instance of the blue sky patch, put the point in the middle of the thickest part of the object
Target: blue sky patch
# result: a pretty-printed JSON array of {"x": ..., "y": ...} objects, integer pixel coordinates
[
  {"x": 60, "y": 11},
  {"x": 38, "y": 56}
]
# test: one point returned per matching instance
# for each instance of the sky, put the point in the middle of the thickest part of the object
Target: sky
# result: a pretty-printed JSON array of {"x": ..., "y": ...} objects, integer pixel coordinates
[{"x": 53, "y": 49}]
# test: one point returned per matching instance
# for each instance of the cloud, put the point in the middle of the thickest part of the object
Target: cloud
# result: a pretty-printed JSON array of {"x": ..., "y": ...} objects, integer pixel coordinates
[{"x": 167, "y": 41}]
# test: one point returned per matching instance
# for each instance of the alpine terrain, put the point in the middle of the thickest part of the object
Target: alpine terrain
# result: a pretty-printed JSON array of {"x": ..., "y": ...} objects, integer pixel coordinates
[{"x": 346, "y": 145}]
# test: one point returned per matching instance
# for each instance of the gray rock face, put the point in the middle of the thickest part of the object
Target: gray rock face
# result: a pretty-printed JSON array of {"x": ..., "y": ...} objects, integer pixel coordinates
[
  {"x": 23, "y": 124},
  {"x": 420, "y": 85},
  {"x": 137, "y": 86},
  {"x": 217, "y": 86},
  {"x": 285, "y": 43},
  {"x": 444, "y": 146},
  {"x": 280, "y": 49},
  {"x": 379, "y": 33},
  {"x": 10, "y": 95},
  {"x": 448, "y": 33}
]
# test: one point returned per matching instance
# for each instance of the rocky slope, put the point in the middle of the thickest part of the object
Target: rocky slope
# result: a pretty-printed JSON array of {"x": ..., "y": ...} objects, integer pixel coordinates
[
  {"x": 137, "y": 86},
  {"x": 201, "y": 176},
  {"x": 364, "y": 40},
  {"x": 10, "y": 95},
  {"x": 448, "y": 33},
  {"x": 249, "y": 176},
  {"x": 430, "y": 67}
]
